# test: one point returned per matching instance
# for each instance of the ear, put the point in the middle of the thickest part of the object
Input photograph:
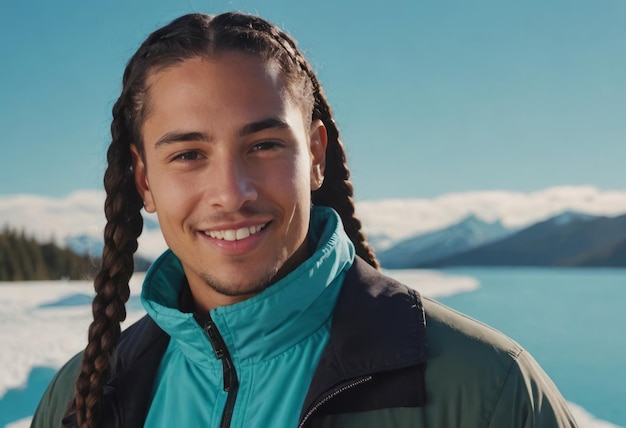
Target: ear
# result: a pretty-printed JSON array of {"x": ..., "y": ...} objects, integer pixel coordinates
[
  {"x": 318, "y": 139},
  {"x": 141, "y": 179}
]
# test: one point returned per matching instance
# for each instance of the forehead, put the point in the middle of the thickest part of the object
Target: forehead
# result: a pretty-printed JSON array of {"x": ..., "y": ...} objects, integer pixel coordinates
[
  {"x": 230, "y": 89},
  {"x": 215, "y": 96}
]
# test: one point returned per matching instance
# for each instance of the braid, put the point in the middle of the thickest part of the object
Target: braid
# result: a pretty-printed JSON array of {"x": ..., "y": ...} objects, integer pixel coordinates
[
  {"x": 124, "y": 225},
  {"x": 337, "y": 190}
]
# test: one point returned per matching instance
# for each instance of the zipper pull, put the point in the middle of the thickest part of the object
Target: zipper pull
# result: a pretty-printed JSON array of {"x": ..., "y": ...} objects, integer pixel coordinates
[
  {"x": 219, "y": 347},
  {"x": 214, "y": 337}
]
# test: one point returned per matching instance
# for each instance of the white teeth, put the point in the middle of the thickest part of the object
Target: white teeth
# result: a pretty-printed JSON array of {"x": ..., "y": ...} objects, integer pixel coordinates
[
  {"x": 242, "y": 233},
  {"x": 234, "y": 235}
]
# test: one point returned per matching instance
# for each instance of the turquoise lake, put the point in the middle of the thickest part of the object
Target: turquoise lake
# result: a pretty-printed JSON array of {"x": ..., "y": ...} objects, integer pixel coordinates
[{"x": 573, "y": 321}]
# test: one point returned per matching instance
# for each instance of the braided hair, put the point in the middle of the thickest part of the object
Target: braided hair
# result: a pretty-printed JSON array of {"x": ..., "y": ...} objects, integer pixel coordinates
[{"x": 190, "y": 36}]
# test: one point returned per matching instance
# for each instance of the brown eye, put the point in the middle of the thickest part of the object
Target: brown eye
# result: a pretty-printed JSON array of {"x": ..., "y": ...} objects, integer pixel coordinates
[
  {"x": 188, "y": 156},
  {"x": 265, "y": 145}
]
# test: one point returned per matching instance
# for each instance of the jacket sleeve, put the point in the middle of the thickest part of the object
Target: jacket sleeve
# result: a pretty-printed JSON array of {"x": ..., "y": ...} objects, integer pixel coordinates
[
  {"x": 529, "y": 399},
  {"x": 58, "y": 395}
]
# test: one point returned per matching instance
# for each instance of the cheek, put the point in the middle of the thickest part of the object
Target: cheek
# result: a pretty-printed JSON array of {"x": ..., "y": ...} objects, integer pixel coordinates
[
  {"x": 297, "y": 175},
  {"x": 299, "y": 190},
  {"x": 172, "y": 198},
  {"x": 293, "y": 187}
]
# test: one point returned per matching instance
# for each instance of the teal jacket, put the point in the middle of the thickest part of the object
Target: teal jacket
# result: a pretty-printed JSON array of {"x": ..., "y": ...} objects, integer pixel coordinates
[
  {"x": 391, "y": 359},
  {"x": 251, "y": 363}
]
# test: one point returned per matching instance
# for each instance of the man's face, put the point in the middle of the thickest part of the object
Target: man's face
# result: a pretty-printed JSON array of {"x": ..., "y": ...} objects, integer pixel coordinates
[{"x": 229, "y": 164}]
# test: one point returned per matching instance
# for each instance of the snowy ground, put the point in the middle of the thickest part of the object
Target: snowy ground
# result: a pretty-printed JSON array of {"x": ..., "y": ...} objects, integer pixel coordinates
[{"x": 42, "y": 324}]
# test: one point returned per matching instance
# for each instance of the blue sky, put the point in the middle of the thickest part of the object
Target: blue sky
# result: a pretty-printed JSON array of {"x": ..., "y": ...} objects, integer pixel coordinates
[{"x": 431, "y": 97}]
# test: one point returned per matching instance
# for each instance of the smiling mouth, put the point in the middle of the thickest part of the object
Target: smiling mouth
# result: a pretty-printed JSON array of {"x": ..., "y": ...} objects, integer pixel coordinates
[{"x": 235, "y": 234}]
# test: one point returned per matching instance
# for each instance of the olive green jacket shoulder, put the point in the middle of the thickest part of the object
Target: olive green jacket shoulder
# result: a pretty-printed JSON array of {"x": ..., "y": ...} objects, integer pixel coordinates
[{"x": 474, "y": 377}]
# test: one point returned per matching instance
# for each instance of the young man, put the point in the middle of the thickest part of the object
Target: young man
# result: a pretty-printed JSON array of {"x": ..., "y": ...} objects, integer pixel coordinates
[{"x": 267, "y": 309}]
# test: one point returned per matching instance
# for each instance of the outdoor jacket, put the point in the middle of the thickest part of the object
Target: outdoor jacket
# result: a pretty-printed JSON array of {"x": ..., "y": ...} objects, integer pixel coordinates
[
  {"x": 248, "y": 363},
  {"x": 392, "y": 359}
]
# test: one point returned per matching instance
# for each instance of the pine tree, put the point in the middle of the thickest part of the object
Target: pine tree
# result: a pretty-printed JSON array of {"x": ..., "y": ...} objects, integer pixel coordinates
[{"x": 22, "y": 258}]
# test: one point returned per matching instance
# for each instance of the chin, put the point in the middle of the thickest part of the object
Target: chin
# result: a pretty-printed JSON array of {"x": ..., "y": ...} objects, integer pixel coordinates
[{"x": 226, "y": 286}]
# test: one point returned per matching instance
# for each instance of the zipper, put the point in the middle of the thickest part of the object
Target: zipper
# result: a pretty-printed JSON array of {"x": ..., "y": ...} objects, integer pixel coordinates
[
  {"x": 231, "y": 383},
  {"x": 332, "y": 395}
]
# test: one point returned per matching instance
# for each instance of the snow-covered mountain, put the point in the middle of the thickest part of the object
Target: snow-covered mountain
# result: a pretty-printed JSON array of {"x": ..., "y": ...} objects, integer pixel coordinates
[
  {"x": 569, "y": 239},
  {"x": 469, "y": 233},
  {"x": 78, "y": 218}
]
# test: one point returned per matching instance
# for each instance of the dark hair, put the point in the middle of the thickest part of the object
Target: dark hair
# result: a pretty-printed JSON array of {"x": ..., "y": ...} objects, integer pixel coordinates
[{"x": 194, "y": 35}]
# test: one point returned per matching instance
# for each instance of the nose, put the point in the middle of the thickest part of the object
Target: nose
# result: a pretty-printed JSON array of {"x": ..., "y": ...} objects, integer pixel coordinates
[{"x": 230, "y": 184}]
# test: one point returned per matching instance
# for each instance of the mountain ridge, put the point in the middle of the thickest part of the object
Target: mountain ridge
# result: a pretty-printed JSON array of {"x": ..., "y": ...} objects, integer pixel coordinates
[
  {"x": 469, "y": 233},
  {"x": 566, "y": 240}
]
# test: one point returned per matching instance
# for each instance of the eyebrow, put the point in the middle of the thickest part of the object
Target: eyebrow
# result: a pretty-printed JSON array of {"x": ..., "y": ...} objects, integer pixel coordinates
[
  {"x": 172, "y": 137},
  {"x": 261, "y": 125},
  {"x": 251, "y": 128}
]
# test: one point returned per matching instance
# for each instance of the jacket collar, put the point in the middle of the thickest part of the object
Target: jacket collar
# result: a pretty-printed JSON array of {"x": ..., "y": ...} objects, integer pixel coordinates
[{"x": 267, "y": 324}]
